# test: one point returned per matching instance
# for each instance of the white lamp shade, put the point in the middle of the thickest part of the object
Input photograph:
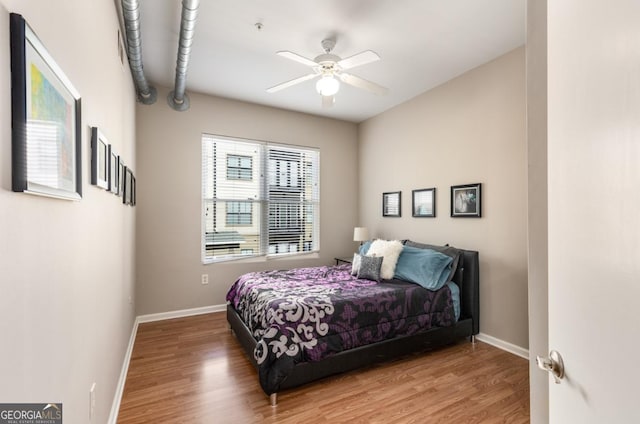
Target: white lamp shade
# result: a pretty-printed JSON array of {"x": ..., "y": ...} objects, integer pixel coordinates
[
  {"x": 327, "y": 85},
  {"x": 360, "y": 234}
]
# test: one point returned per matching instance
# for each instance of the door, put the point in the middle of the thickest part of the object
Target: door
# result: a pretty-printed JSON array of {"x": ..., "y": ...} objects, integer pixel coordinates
[{"x": 594, "y": 209}]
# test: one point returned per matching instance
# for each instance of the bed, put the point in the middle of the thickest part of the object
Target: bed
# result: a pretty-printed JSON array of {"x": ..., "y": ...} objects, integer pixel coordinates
[{"x": 300, "y": 325}]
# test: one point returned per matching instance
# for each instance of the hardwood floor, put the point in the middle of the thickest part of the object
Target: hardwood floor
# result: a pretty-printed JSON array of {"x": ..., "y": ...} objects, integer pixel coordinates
[{"x": 192, "y": 370}]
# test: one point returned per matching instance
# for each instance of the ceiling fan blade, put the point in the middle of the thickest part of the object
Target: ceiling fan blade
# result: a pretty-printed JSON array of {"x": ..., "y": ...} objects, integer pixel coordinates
[
  {"x": 363, "y": 83},
  {"x": 296, "y": 57},
  {"x": 291, "y": 82},
  {"x": 328, "y": 101},
  {"x": 358, "y": 59}
]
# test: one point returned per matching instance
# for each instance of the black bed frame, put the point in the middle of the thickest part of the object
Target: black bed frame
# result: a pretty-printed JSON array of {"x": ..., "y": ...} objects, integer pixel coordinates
[{"x": 467, "y": 326}]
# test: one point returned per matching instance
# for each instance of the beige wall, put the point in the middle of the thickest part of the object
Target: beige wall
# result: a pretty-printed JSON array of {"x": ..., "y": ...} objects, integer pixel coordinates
[
  {"x": 469, "y": 130},
  {"x": 66, "y": 268},
  {"x": 169, "y": 266}
]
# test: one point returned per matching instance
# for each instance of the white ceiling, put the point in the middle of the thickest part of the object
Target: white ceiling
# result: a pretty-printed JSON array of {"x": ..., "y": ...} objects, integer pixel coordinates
[{"x": 422, "y": 43}]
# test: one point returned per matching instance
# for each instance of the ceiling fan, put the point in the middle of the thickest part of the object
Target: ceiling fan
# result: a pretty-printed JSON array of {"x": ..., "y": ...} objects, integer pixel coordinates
[{"x": 330, "y": 68}]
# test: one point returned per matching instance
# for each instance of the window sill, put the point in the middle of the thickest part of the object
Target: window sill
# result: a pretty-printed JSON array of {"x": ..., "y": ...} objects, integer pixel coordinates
[{"x": 258, "y": 259}]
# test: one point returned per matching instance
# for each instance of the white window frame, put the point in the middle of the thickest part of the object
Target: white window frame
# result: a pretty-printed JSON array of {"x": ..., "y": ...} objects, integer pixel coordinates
[{"x": 305, "y": 225}]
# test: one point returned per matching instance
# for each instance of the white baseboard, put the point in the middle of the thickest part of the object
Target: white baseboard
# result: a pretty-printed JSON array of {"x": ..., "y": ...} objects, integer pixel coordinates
[
  {"x": 181, "y": 313},
  {"x": 501, "y": 344},
  {"x": 117, "y": 398},
  {"x": 115, "y": 407}
]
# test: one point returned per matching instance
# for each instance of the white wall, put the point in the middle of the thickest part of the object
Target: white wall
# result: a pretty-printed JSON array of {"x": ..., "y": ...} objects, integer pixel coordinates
[
  {"x": 468, "y": 130},
  {"x": 169, "y": 194},
  {"x": 593, "y": 178},
  {"x": 67, "y": 268}
]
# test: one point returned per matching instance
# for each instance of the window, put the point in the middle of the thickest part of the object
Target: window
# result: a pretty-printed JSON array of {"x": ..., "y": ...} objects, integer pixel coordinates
[
  {"x": 239, "y": 213},
  {"x": 239, "y": 167},
  {"x": 259, "y": 199}
]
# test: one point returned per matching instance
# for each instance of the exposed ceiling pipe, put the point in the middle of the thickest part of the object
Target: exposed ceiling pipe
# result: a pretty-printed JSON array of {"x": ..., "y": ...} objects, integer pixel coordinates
[
  {"x": 131, "y": 12},
  {"x": 177, "y": 98}
]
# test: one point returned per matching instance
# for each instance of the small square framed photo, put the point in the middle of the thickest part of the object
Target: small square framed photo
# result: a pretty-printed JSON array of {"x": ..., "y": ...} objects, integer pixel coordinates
[
  {"x": 424, "y": 203},
  {"x": 466, "y": 201},
  {"x": 114, "y": 169},
  {"x": 99, "y": 159},
  {"x": 121, "y": 169},
  {"x": 134, "y": 188},
  {"x": 127, "y": 196},
  {"x": 391, "y": 204}
]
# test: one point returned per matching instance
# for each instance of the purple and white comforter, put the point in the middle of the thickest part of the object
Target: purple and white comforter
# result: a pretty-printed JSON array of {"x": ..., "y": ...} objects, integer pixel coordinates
[{"x": 307, "y": 314}]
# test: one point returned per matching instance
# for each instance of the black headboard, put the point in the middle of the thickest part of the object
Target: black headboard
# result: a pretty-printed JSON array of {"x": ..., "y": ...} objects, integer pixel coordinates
[{"x": 470, "y": 288}]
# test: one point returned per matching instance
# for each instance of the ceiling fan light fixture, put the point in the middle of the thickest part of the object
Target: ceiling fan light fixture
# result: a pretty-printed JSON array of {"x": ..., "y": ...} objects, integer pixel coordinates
[{"x": 327, "y": 85}]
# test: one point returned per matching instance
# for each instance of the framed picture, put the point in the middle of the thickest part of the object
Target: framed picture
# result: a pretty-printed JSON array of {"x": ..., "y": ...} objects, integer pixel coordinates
[
  {"x": 126, "y": 187},
  {"x": 466, "y": 201},
  {"x": 127, "y": 197},
  {"x": 133, "y": 190},
  {"x": 114, "y": 168},
  {"x": 121, "y": 169},
  {"x": 424, "y": 203},
  {"x": 99, "y": 159},
  {"x": 391, "y": 204},
  {"x": 45, "y": 117}
]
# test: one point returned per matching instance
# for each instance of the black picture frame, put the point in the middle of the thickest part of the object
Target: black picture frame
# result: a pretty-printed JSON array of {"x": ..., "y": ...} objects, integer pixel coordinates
[
  {"x": 423, "y": 203},
  {"x": 126, "y": 176},
  {"x": 121, "y": 168},
  {"x": 466, "y": 201},
  {"x": 46, "y": 159},
  {"x": 99, "y": 159},
  {"x": 114, "y": 169},
  {"x": 134, "y": 188},
  {"x": 128, "y": 197},
  {"x": 392, "y": 204}
]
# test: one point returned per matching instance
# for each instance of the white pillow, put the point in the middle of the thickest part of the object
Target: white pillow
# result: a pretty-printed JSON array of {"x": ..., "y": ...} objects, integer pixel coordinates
[
  {"x": 355, "y": 264},
  {"x": 390, "y": 250}
]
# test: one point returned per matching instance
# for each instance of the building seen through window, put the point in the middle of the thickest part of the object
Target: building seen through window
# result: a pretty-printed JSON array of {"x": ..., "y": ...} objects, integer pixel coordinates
[{"x": 258, "y": 199}]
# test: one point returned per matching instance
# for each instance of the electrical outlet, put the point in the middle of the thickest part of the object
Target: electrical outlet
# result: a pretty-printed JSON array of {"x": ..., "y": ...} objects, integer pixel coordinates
[
  {"x": 205, "y": 278},
  {"x": 92, "y": 401}
]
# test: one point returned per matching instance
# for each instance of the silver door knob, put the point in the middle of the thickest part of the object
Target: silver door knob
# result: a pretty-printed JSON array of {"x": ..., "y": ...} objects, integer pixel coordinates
[{"x": 552, "y": 364}]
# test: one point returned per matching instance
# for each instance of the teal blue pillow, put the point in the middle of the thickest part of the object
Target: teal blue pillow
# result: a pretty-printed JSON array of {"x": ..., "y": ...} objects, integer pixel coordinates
[
  {"x": 425, "y": 267},
  {"x": 364, "y": 247}
]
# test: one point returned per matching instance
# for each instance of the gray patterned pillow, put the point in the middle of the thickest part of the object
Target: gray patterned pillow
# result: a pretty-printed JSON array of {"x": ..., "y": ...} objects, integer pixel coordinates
[{"x": 370, "y": 267}]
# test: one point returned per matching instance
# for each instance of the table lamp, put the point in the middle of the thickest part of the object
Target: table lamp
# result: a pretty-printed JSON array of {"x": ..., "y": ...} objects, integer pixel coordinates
[{"x": 360, "y": 234}]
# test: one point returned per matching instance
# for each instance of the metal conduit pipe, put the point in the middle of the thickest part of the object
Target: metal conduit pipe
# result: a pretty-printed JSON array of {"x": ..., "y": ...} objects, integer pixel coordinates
[
  {"x": 131, "y": 13},
  {"x": 177, "y": 98}
]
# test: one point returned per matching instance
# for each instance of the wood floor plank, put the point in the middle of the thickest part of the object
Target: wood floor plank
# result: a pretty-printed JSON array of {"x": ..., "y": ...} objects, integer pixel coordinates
[{"x": 193, "y": 370}]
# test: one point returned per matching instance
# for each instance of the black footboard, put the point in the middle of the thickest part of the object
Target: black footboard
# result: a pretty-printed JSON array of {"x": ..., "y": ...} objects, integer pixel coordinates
[{"x": 305, "y": 372}]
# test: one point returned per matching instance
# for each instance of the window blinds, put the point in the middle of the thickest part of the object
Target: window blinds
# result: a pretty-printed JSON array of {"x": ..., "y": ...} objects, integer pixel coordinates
[{"x": 258, "y": 198}]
